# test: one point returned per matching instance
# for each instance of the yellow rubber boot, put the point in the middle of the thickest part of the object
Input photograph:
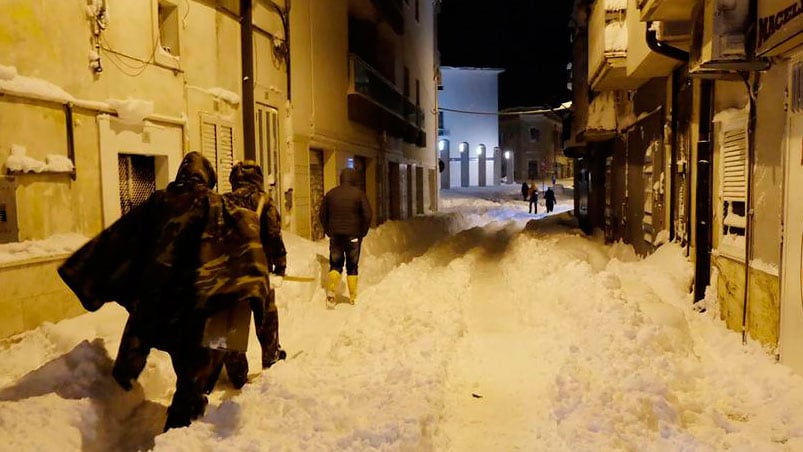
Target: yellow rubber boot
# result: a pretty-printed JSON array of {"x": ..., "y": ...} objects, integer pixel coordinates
[
  {"x": 351, "y": 280},
  {"x": 332, "y": 282}
]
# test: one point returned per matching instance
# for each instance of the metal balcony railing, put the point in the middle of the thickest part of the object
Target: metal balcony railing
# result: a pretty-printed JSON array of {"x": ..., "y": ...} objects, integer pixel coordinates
[{"x": 370, "y": 83}]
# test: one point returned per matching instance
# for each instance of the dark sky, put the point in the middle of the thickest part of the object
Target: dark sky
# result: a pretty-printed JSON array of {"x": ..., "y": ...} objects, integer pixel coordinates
[{"x": 527, "y": 38}]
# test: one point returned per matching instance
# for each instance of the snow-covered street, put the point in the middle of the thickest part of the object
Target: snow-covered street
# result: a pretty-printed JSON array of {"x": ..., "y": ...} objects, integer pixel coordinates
[{"x": 482, "y": 328}]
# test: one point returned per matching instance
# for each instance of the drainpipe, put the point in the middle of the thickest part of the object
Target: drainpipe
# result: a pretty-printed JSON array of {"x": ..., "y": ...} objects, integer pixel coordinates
[
  {"x": 702, "y": 248},
  {"x": 662, "y": 48},
  {"x": 247, "y": 44},
  {"x": 70, "y": 138},
  {"x": 752, "y": 91}
]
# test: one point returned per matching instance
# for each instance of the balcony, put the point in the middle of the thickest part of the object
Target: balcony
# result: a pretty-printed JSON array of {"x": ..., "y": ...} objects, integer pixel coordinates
[
  {"x": 607, "y": 49},
  {"x": 375, "y": 102},
  {"x": 642, "y": 62},
  {"x": 666, "y": 10}
]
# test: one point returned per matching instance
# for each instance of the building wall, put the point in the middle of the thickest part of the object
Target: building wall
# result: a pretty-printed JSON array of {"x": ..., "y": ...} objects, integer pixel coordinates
[
  {"x": 474, "y": 129},
  {"x": 49, "y": 42},
  {"x": 544, "y": 149},
  {"x": 320, "y": 80}
]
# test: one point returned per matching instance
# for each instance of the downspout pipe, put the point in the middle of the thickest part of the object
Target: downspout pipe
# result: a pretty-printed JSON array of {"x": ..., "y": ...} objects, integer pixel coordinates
[
  {"x": 752, "y": 91},
  {"x": 247, "y": 45},
  {"x": 702, "y": 236},
  {"x": 662, "y": 48}
]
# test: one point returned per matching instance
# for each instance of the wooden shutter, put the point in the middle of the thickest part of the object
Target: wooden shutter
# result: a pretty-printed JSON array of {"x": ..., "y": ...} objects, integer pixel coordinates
[
  {"x": 217, "y": 145},
  {"x": 734, "y": 164},
  {"x": 225, "y": 157}
]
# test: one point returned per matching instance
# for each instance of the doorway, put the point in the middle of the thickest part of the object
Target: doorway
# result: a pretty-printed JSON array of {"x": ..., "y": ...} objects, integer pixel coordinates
[
  {"x": 316, "y": 192},
  {"x": 790, "y": 341}
]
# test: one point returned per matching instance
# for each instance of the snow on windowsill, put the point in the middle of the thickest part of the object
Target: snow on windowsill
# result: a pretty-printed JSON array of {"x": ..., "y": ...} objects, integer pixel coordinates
[{"x": 54, "y": 247}]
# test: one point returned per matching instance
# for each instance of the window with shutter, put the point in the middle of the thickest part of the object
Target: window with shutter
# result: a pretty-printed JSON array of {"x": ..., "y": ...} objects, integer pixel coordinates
[
  {"x": 217, "y": 145},
  {"x": 733, "y": 185}
]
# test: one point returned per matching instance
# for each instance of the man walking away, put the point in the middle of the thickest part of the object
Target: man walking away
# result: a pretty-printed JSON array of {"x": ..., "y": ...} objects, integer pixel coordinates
[
  {"x": 533, "y": 199},
  {"x": 549, "y": 199},
  {"x": 345, "y": 216}
]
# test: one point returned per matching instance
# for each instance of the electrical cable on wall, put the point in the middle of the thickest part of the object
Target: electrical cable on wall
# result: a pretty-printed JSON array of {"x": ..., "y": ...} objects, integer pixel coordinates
[{"x": 563, "y": 107}]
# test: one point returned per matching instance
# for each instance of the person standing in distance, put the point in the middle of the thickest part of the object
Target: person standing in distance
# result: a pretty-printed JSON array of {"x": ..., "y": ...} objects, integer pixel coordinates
[{"x": 345, "y": 216}]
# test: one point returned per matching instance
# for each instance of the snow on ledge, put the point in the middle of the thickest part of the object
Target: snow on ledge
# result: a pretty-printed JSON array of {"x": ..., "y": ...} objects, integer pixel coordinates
[
  {"x": 53, "y": 163},
  {"x": 56, "y": 245}
]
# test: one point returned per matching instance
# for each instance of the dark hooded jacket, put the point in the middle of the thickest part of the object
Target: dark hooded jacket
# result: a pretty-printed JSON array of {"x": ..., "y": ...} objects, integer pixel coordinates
[
  {"x": 247, "y": 184},
  {"x": 345, "y": 210},
  {"x": 183, "y": 255}
]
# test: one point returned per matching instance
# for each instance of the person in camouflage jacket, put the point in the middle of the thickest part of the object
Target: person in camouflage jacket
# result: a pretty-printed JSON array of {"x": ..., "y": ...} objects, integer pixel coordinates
[
  {"x": 181, "y": 258},
  {"x": 247, "y": 182}
]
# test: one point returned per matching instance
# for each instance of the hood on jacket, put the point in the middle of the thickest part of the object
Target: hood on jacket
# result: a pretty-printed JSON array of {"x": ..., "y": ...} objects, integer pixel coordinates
[
  {"x": 196, "y": 169},
  {"x": 348, "y": 177},
  {"x": 247, "y": 173}
]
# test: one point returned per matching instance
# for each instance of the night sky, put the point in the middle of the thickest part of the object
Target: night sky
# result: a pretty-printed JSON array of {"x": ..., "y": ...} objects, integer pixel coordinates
[{"x": 527, "y": 38}]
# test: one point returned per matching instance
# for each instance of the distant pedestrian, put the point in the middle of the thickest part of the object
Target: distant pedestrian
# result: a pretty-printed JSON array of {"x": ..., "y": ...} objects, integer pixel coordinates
[
  {"x": 533, "y": 199},
  {"x": 346, "y": 217},
  {"x": 525, "y": 191},
  {"x": 549, "y": 199}
]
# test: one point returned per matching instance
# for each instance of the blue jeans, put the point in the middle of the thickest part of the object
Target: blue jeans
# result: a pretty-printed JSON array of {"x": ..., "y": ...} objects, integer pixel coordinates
[{"x": 344, "y": 249}]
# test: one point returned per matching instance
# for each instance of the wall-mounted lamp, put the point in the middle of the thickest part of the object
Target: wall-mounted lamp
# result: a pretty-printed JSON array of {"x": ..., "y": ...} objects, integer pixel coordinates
[
  {"x": 507, "y": 155},
  {"x": 479, "y": 150},
  {"x": 441, "y": 145},
  {"x": 463, "y": 147}
]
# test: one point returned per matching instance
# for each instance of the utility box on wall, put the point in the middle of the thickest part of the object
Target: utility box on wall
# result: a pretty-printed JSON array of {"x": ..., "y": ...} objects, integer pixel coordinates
[{"x": 9, "y": 231}]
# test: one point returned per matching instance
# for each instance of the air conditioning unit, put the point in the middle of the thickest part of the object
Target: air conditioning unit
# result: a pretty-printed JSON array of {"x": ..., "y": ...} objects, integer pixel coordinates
[{"x": 720, "y": 43}]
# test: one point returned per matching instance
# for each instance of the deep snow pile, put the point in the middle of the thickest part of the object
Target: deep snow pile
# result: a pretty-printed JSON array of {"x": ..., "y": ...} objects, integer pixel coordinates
[{"x": 480, "y": 328}]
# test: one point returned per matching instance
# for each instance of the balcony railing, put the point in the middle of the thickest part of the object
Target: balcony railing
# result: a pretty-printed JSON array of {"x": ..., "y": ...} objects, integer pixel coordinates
[{"x": 374, "y": 101}]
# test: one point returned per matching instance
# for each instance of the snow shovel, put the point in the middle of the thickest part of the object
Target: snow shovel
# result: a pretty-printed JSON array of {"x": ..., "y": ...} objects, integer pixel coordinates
[
  {"x": 228, "y": 329},
  {"x": 298, "y": 278}
]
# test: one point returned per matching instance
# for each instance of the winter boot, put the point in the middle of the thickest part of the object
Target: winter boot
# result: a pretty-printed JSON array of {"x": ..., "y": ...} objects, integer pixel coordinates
[
  {"x": 332, "y": 282},
  {"x": 351, "y": 280}
]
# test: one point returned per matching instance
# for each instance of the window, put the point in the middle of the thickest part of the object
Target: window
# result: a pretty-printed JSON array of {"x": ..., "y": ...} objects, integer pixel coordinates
[
  {"x": 535, "y": 134},
  {"x": 267, "y": 129},
  {"x": 797, "y": 88},
  {"x": 406, "y": 82},
  {"x": 733, "y": 185},
  {"x": 168, "y": 27},
  {"x": 137, "y": 180},
  {"x": 217, "y": 146}
]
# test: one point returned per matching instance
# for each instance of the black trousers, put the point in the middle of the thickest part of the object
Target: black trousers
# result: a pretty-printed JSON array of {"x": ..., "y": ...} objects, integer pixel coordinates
[{"x": 344, "y": 249}]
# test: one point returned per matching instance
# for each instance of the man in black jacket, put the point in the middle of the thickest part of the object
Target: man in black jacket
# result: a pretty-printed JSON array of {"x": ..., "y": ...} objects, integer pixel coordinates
[{"x": 345, "y": 216}]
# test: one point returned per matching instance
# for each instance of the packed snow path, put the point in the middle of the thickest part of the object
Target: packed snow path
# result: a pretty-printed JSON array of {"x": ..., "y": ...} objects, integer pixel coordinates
[{"x": 481, "y": 328}]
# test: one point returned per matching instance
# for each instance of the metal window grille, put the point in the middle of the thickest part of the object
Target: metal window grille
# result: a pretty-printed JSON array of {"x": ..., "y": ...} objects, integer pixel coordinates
[{"x": 137, "y": 180}]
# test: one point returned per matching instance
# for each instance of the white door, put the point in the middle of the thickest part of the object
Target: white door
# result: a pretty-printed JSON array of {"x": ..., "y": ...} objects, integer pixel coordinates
[{"x": 791, "y": 334}]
